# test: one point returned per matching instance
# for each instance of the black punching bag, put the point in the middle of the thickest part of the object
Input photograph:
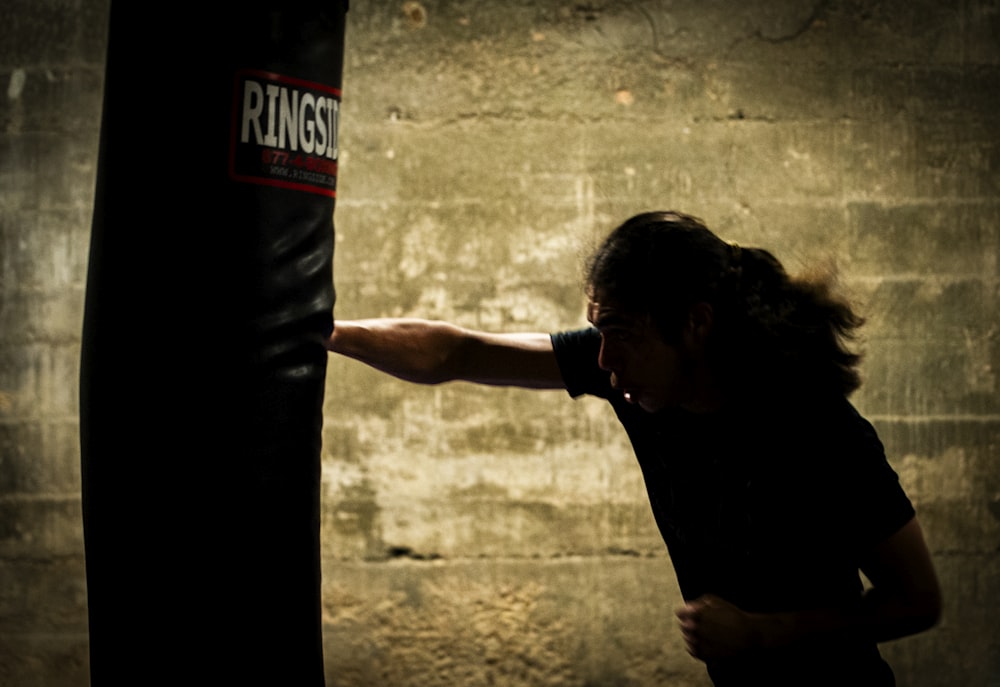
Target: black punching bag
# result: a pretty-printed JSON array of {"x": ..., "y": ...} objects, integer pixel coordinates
[{"x": 209, "y": 293}]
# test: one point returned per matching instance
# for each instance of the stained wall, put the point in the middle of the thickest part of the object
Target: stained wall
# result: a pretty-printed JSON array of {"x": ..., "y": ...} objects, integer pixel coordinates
[{"x": 480, "y": 536}]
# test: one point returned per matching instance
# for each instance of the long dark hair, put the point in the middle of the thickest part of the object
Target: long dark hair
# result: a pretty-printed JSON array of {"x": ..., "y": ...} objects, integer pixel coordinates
[{"x": 769, "y": 328}]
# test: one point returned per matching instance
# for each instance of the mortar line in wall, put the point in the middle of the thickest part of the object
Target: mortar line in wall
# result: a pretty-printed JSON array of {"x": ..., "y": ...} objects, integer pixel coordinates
[
  {"x": 986, "y": 418},
  {"x": 539, "y": 559},
  {"x": 39, "y": 498},
  {"x": 843, "y": 202},
  {"x": 39, "y": 420},
  {"x": 917, "y": 277},
  {"x": 9, "y": 638},
  {"x": 569, "y": 200}
]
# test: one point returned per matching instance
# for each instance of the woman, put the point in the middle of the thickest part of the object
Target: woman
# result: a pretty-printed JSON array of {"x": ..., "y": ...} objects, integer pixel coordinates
[{"x": 770, "y": 490}]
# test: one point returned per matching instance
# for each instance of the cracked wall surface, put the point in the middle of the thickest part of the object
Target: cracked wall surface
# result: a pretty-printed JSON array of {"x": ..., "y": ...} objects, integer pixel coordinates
[{"x": 484, "y": 536}]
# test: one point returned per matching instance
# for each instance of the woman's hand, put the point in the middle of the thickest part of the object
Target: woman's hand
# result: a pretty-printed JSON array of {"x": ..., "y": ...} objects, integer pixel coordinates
[{"x": 714, "y": 628}]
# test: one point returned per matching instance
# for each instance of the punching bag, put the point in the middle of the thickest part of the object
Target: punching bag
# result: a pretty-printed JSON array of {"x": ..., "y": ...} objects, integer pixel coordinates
[{"x": 209, "y": 294}]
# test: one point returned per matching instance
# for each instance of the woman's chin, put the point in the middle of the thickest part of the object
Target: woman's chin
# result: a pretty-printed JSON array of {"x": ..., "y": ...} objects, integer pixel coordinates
[{"x": 650, "y": 405}]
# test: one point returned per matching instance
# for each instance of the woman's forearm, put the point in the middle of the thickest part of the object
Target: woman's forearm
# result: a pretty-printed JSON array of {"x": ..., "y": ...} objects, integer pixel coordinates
[
  {"x": 714, "y": 628},
  {"x": 432, "y": 352},
  {"x": 420, "y": 351},
  {"x": 878, "y": 618},
  {"x": 905, "y": 599}
]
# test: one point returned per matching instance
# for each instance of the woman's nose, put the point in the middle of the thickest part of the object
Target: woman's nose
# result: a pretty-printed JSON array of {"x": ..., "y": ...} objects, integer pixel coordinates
[{"x": 605, "y": 359}]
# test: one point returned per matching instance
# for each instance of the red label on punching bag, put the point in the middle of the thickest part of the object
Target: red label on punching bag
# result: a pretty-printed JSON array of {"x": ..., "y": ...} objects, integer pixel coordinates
[{"x": 285, "y": 133}]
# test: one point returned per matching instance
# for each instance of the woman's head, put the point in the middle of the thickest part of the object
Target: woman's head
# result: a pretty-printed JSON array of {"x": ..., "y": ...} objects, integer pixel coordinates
[
  {"x": 659, "y": 264},
  {"x": 752, "y": 324}
]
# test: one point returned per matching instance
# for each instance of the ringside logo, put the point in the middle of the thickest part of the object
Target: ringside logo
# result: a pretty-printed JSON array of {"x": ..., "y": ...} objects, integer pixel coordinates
[{"x": 284, "y": 133}]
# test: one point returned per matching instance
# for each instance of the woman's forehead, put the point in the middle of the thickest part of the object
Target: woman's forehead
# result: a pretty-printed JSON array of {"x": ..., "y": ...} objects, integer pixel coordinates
[{"x": 602, "y": 313}]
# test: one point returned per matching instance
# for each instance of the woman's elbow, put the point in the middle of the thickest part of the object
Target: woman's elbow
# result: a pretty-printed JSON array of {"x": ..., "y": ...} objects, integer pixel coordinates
[
  {"x": 921, "y": 610},
  {"x": 931, "y": 608}
]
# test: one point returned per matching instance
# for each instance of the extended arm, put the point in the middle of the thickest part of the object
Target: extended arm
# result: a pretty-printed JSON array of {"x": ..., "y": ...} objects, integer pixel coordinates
[
  {"x": 430, "y": 352},
  {"x": 904, "y": 599}
]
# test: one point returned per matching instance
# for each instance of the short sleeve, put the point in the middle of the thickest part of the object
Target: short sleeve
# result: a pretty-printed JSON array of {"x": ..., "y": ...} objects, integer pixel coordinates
[
  {"x": 882, "y": 505},
  {"x": 874, "y": 502},
  {"x": 576, "y": 353}
]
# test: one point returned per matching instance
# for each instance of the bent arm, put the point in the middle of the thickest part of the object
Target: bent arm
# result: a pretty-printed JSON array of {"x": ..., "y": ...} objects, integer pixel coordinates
[
  {"x": 431, "y": 352},
  {"x": 904, "y": 599}
]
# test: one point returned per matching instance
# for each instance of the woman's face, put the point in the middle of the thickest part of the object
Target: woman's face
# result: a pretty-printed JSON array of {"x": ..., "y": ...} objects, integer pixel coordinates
[{"x": 646, "y": 369}]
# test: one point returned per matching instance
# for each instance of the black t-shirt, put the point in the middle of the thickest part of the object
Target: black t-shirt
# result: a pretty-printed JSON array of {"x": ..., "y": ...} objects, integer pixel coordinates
[{"x": 770, "y": 506}]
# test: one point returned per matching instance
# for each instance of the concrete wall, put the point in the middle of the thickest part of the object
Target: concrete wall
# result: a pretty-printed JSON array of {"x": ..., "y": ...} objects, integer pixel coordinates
[
  {"x": 51, "y": 75},
  {"x": 488, "y": 536}
]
